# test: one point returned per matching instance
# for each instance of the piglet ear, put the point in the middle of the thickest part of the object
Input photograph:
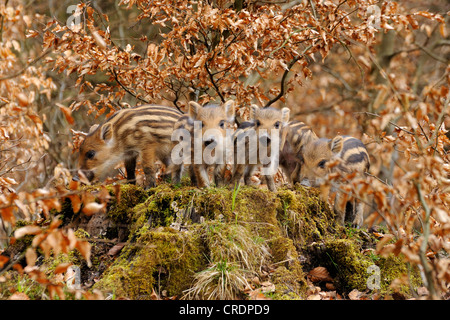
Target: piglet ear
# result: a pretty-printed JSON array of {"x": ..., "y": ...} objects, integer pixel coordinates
[
  {"x": 285, "y": 112},
  {"x": 229, "y": 108},
  {"x": 106, "y": 132},
  {"x": 253, "y": 111},
  {"x": 336, "y": 144},
  {"x": 193, "y": 109},
  {"x": 93, "y": 128}
]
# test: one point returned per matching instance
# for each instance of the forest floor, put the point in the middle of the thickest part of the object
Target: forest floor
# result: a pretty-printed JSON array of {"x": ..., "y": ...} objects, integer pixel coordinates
[{"x": 181, "y": 242}]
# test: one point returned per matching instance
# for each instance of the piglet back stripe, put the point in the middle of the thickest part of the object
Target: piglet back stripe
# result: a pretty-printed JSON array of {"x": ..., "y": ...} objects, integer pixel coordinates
[
  {"x": 354, "y": 152},
  {"x": 296, "y": 125},
  {"x": 351, "y": 143},
  {"x": 357, "y": 158},
  {"x": 184, "y": 122},
  {"x": 123, "y": 116}
]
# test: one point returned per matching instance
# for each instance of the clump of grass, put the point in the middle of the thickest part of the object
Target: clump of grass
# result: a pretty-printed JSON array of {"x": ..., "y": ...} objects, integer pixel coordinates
[
  {"x": 234, "y": 254},
  {"x": 235, "y": 193},
  {"x": 236, "y": 243},
  {"x": 220, "y": 281}
]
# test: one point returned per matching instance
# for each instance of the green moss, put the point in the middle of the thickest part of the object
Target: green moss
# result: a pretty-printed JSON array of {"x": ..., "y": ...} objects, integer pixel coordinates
[
  {"x": 21, "y": 283},
  {"x": 160, "y": 208},
  {"x": 243, "y": 231},
  {"x": 73, "y": 257},
  {"x": 304, "y": 217},
  {"x": 160, "y": 259},
  {"x": 346, "y": 264},
  {"x": 289, "y": 283},
  {"x": 393, "y": 267},
  {"x": 258, "y": 208},
  {"x": 130, "y": 196},
  {"x": 167, "y": 204}
]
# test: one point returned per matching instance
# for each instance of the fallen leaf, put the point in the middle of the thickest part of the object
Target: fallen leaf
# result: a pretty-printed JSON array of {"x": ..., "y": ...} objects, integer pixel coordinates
[
  {"x": 19, "y": 233},
  {"x": 355, "y": 294},
  {"x": 85, "y": 249},
  {"x": 319, "y": 274},
  {"x": 3, "y": 260},
  {"x": 92, "y": 208},
  {"x": 258, "y": 295},
  {"x": 154, "y": 295},
  {"x": 30, "y": 256},
  {"x": 330, "y": 286},
  {"x": 19, "y": 296},
  {"x": 76, "y": 202},
  {"x": 62, "y": 267},
  {"x": 116, "y": 249}
]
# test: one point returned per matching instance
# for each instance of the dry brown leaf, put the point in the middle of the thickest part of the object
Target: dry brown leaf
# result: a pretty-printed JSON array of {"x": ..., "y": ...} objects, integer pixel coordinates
[
  {"x": 154, "y": 295},
  {"x": 62, "y": 267},
  {"x": 384, "y": 241},
  {"x": 85, "y": 249},
  {"x": 30, "y": 256},
  {"x": 23, "y": 231},
  {"x": 67, "y": 113},
  {"x": 319, "y": 274},
  {"x": 76, "y": 202},
  {"x": 56, "y": 290},
  {"x": 19, "y": 296},
  {"x": 330, "y": 286},
  {"x": 3, "y": 260},
  {"x": 23, "y": 99},
  {"x": 116, "y": 249},
  {"x": 355, "y": 294},
  {"x": 7, "y": 214},
  {"x": 92, "y": 208},
  {"x": 257, "y": 294}
]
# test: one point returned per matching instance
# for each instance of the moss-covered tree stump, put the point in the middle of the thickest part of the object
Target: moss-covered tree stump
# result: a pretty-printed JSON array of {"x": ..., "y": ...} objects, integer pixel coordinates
[{"x": 216, "y": 243}]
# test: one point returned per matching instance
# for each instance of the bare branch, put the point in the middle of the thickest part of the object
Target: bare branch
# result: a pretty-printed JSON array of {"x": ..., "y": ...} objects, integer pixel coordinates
[
  {"x": 125, "y": 88},
  {"x": 283, "y": 79},
  {"x": 18, "y": 73},
  {"x": 211, "y": 77}
]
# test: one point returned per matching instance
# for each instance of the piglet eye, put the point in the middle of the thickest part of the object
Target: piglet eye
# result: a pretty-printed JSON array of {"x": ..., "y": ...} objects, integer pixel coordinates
[
  {"x": 277, "y": 125},
  {"x": 90, "y": 154},
  {"x": 322, "y": 164}
]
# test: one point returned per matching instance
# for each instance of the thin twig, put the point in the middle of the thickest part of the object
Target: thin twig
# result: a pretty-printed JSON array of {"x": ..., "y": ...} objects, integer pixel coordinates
[
  {"x": 283, "y": 78},
  {"x": 431, "y": 54},
  {"x": 424, "y": 244},
  {"x": 211, "y": 77},
  {"x": 439, "y": 122},
  {"x": 18, "y": 73},
  {"x": 125, "y": 88},
  {"x": 1, "y": 25}
]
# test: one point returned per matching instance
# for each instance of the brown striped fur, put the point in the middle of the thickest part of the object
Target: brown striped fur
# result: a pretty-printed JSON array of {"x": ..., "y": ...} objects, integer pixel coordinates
[
  {"x": 183, "y": 123},
  {"x": 263, "y": 120},
  {"x": 212, "y": 117},
  {"x": 352, "y": 156},
  {"x": 144, "y": 131},
  {"x": 297, "y": 134}
]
